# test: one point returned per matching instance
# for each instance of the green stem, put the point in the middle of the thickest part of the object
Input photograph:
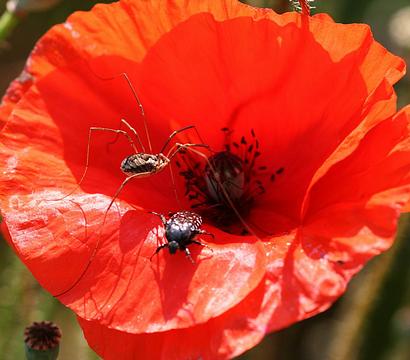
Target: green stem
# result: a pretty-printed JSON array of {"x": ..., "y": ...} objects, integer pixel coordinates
[
  {"x": 8, "y": 21},
  {"x": 51, "y": 354}
]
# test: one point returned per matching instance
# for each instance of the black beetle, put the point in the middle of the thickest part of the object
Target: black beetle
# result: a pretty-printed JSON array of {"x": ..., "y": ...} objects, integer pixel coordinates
[{"x": 180, "y": 231}]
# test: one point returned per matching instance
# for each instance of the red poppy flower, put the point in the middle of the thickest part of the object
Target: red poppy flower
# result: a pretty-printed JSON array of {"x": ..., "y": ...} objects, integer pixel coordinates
[{"x": 314, "y": 97}]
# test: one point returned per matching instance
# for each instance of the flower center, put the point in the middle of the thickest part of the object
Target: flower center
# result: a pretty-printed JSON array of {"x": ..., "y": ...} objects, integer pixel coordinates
[{"x": 227, "y": 184}]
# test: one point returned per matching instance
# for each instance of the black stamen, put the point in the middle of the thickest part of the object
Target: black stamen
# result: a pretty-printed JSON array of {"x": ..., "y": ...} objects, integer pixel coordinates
[{"x": 231, "y": 173}]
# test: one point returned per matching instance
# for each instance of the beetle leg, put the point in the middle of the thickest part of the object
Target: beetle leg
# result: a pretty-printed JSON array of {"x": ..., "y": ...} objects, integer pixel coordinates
[
  {"x": 203, "y": 232},
  {"x": 159, "y": 248},
  {"x": 188, "y": 255},
  {"x": 202, "y": 244},
  {"x": 161, "y": 216}
]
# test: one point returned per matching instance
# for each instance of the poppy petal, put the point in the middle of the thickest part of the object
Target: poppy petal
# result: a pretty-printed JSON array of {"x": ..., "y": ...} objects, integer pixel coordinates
[
  {"x": 372, "y": 163},
  {"x": 223, "y": 337},
  {"x": 220, "y": 338},
  {"x": 78, "y": 221},
  {"x": 213, "y": 64},
  {"x": 265, "y": 100},
  {"x": 342, "y": 232},
  {"x": 122, "y": 277}
]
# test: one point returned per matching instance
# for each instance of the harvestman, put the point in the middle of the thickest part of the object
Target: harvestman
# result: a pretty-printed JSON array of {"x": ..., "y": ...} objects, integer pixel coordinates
[
  {"x": 143, "y": 164},
  {"x": 139, "y": 164}
]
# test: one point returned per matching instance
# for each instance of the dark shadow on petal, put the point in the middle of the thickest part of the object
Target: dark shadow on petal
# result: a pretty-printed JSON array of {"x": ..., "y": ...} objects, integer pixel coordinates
[{"x": 288, "y": 308}]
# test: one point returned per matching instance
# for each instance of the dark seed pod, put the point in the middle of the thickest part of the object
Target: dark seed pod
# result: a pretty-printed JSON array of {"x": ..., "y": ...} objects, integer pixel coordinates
[
  {"x": 225, "y": 169},
  {"x": 42, "y": 340},
  {"x": 224, "y": 190}
]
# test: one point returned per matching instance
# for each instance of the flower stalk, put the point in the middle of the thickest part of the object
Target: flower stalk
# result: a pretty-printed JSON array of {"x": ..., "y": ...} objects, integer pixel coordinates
[{"x": 51, "y": 354}]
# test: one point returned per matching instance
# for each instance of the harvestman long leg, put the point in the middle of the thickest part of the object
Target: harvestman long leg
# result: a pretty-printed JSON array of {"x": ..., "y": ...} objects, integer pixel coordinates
[
  {"x": 175, "y": 149},
  {"x": 134, "y": 92},
  {"x": 175, "y": 132},
  {"x": 95, "y": 249},
  {"x": 125, "y": 122},
  {"x": 90, "y": 132},
  {"x": 171, "y": 172},
  {"x": 137, "y": 99}
]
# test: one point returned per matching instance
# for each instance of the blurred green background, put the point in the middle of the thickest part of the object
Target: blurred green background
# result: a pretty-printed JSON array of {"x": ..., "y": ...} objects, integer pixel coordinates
[{"x": 370, "y": 322}]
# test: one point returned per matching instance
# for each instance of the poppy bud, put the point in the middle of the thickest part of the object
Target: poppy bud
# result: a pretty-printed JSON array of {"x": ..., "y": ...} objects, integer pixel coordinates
[{"x": 42, "y": 341}]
